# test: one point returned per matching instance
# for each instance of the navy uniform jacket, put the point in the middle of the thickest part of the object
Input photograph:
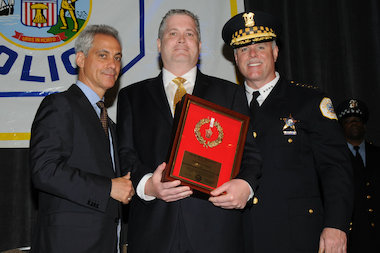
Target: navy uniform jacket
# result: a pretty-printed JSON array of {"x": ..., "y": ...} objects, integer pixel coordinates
[
  {"x": 365, "y": 233},
  {"x": 306, "y": 181},
  {"x": 72, "y": 170},
  {"x": 144, "y": 124}
]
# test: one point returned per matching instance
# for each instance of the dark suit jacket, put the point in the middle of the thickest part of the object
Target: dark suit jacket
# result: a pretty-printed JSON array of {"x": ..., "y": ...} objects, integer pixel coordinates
[
  {"x": 144, "y": 124},
  {"x": 306, "y": 183},
  {"x": 365, "y": 233},
  {"x": 72, "y": 170}
]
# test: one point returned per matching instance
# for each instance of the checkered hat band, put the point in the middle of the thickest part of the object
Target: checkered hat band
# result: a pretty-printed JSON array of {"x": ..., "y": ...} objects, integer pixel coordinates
[{"x": 255, "y": 34}]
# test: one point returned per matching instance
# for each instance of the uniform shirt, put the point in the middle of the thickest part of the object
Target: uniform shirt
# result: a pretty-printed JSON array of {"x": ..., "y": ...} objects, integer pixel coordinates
[
  {"x": 361, "y": 151},
  {"x": 264, "y": 91}
]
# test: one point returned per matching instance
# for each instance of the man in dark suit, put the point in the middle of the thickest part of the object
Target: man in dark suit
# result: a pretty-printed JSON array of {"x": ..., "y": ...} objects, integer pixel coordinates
[
  {"x": 304, "y": 199},
  {"x": 364, "y": 234},
  {"x": 74, "y": 159},
  {"x": 166, "y": 217}
]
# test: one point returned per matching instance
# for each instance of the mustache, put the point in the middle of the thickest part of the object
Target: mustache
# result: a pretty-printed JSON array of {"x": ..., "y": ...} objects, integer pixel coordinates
[{"x": 109, "y": 71}]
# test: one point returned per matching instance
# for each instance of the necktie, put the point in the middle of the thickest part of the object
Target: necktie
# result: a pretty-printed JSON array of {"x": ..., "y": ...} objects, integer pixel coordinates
[
  {"x": 179, "y": 81},
  {"x": 358, "y": 157},
  {"x": 254, "y": 105},
  {"x": 103, "y": 116}
]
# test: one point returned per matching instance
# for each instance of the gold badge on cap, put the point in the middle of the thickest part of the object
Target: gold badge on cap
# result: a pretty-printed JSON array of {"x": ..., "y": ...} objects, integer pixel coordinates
[
  {"x": 289, "y": 127},
  {"x": 248, "y": 19},
  {"x": 353, "y": 103},
  {"x": 327, "y": 108}
]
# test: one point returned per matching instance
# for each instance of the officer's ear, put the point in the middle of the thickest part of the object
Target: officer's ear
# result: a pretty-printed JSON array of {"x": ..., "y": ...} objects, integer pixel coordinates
[{"x": 275, "y": 53}]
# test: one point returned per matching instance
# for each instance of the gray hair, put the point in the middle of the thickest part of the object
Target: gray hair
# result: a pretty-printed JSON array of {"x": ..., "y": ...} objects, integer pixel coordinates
[
  {"x": 173, "y": 12},
  {"x": 85, "y": 39}
]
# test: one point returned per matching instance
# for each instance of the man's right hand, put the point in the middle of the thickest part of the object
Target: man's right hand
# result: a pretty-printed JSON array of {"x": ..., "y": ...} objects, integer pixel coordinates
[
  {"x": 167, "y": 191},
  {"x": 122, "y": 189}
]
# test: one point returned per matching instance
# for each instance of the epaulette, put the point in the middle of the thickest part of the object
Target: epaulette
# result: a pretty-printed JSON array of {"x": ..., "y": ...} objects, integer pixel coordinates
[{"x": 304, "y": 85}]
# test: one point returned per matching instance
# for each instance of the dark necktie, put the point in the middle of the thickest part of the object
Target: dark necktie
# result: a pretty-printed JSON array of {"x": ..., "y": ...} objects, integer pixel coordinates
[
  {"x": 254, "y": 105},
  {"x": 358, "y": 157},
  {"x": 103, "y": 116}
]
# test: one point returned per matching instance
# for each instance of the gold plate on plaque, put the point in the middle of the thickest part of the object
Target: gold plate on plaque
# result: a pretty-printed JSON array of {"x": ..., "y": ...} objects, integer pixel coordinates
[{"x": 200, "y": 169}]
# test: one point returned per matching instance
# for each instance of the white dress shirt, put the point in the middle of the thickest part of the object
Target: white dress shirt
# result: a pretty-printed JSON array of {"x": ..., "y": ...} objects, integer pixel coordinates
[{"x": 264, "y": 91}]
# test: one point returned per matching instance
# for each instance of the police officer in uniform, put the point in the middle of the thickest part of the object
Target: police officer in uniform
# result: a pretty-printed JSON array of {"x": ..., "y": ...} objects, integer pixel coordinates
[
  {"x": 364, "y": 235},
  {"x": 304, "y": 200}
]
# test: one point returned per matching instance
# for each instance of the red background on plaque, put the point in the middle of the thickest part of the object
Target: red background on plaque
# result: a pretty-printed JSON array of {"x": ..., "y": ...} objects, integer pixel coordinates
[{"x": 223, "y": 153}]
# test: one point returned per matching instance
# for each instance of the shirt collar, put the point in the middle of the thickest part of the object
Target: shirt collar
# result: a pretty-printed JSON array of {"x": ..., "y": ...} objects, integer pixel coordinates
[
  {"x": 361, "y": 147},
  {"x": 264, "y": 91},
  {"x": 89, "y": 93},
  {"x": 190, "y": 76}
]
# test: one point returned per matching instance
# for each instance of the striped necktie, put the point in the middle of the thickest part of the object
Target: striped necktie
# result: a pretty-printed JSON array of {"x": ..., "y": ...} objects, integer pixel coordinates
[{"x": 103, "y": 116}]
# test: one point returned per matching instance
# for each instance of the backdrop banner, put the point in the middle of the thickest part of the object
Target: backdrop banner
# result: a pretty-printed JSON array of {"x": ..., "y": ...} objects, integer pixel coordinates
[{"x": 37, "y": 54}]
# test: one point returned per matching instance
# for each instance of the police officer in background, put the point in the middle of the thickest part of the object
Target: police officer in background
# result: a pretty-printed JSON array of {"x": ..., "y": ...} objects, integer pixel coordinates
[
  {"x": 304, "y": 199},
  {"x": 364, "y": 235}
]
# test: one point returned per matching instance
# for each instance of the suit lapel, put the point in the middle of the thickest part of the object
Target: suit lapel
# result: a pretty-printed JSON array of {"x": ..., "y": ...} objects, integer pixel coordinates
[
  {"x": 200, "y": 86},
  {"x": 159, "y": 99},
  {"x": 89, "y": 116},
  {"x": 114, "y": 145}
]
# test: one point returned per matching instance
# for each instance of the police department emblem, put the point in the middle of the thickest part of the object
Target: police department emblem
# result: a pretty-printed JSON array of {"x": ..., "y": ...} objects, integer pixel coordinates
[
  {"x": 327, "y": 108},
  {"x": 43, "y": 24},
  {"x": 289, "y": 127},
  {"x": 209, "y": 132}
]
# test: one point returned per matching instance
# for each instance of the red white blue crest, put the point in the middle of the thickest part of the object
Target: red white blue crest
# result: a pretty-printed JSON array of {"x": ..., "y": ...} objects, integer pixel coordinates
[{"x": 43, "y": 13}]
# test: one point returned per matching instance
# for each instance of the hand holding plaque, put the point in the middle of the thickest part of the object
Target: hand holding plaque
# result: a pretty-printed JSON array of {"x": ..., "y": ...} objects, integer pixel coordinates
[{"x": 208, "y": 145}]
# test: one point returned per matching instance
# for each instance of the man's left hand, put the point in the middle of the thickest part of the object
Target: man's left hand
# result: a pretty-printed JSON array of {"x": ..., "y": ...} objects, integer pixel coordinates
[
  {"x": 332, "y": 240},
  {"x": 230, "y": 195}
]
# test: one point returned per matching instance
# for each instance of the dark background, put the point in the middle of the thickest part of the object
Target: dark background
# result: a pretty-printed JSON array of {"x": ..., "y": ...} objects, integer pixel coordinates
[{"x": 332, "y": 44}]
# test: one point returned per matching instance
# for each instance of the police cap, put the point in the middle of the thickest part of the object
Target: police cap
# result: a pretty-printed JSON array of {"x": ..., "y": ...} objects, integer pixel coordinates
[
  {"x": 250, "y": 27},
  {"x": 352, "y": 107}
]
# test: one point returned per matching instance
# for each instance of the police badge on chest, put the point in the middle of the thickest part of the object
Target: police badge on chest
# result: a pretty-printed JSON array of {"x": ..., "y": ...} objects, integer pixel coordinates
[{"x": 289, "y": 127}]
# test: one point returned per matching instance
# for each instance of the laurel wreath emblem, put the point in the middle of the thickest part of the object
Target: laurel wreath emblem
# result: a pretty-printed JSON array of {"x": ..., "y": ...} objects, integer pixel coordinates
[{"x": 205, "y": 143}]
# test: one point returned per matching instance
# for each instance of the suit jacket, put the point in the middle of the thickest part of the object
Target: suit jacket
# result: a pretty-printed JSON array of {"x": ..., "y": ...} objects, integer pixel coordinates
[
  {"x": 306, "y": 182},
  {"x": 144, "y": 124},
  {"x": 72, "y": 170},
  {"x": 364, "y": 234}
]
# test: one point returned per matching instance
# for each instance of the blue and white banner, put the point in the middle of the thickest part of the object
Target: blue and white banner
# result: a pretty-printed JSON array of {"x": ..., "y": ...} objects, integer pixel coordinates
[{"x": 37, "y": 55}]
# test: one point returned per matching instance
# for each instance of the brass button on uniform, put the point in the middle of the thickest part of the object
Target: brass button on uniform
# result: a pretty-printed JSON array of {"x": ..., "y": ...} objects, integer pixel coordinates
[
  {"x": 368, "y": 196},
  {"x": 373, "y": 224},
  {"x": 254, "y": 134},
  {"x": 370, "y": 210},
  {"x": 311, "y": 211},
  {"x": 290, "y": 140},
  {"x": 255, "y": 200}
]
